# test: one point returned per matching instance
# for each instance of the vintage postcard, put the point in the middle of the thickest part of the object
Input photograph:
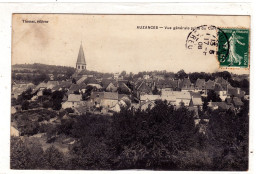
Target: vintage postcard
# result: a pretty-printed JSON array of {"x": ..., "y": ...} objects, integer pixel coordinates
[{"x": 118, "y": 92}]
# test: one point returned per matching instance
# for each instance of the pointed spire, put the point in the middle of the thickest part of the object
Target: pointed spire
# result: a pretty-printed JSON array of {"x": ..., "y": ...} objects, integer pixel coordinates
[{"x": 81, "y": 57}]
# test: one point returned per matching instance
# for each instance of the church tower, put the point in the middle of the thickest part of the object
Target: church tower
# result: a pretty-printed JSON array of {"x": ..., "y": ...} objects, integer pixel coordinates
[{"x": 81, "y": 62}]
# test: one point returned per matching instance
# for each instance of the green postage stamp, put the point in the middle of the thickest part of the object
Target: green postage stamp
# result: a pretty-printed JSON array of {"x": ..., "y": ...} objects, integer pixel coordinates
[{"x": 233, "y": 47}]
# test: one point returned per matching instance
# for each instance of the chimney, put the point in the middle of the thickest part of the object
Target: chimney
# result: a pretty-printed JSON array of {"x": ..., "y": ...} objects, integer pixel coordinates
[{"x": 238, "y": 90}]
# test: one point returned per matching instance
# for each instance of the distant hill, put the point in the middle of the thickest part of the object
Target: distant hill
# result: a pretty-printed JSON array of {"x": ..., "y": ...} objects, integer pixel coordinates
[
  {"x": 37, "y": 68},
  {"x": 42, "y": 68}
]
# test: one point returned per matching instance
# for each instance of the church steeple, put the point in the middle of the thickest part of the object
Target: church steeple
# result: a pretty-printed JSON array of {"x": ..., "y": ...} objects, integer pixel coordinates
[{"x": 81, "y": 62}]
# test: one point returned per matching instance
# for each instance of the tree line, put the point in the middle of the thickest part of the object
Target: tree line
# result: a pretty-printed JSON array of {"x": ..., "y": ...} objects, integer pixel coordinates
[{"x": 161, "y": 138}]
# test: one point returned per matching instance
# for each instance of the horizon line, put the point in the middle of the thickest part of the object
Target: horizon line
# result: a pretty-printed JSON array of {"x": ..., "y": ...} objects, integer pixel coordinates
[{"x": 133, "y": 72}]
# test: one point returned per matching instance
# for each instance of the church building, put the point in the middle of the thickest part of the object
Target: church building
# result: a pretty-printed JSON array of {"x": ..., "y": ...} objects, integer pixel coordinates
[
  {"x": 81, "y": 62},
  {"x": 81, "y": 70}
]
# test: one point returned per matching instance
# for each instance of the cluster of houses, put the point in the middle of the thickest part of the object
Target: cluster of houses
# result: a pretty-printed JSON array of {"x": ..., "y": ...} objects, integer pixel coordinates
[
  {"x": 85, "y": 92},
  {"x": 182, "y": 92},
  {"x": 111, "y": 94}
]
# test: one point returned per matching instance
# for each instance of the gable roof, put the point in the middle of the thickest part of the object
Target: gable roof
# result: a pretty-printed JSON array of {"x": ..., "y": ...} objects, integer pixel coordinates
[
  {"x": 106, "y": 82},
  {"x": 52, "y": 84},
  {"x": 63, "y": 84},
  {"x": 144, "y": 88},
  {"x": 195, "y": 94},
  {"x": 123, "y": 86},
  {"x": 210, "y": 84},
  {"x": 149, "y": 97},
  {"x": 75, "y": 87},
  {"x": 41, "y": 85},
  {"x": 176, "y": 94},
  {"x": 90, "y": 80},
  {"x": 196, "y": 101},
  {"x": 186, "y": 84},
  {"x": 74, "y": 97},
  {"x": 111, "y": 95},
  {"x": 165, "y": 83},
  {"x": 105, "y": 95},
  {"x": 221, "y": 81},
  {"x": 123, "y": 97},
  {"x": 218, "y": 87},
  {"x": 200, "y": 84},
  {"x": 81, "y": 56},
  {"x": 81, "y": 79},
  {"x": 169, "y": 98},
  {"x": 182, "y": 95},
  {"x": 176, "y": 84},
  {"x": 138, "y": 82}
]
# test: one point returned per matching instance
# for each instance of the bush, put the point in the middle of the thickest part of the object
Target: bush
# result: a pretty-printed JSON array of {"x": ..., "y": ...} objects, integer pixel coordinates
[
  {"x": 34, "y": 105},
  {"x": 29, "y": 128},
  {"x": 56, "y": 105},
  {"x": 47, "y": 92},
  {"x": 27, "y": 155},
  {"x": 54, "y": 158},
  {"x": 47, "y": 104},
  {"x": 69, "y": 110},
  {"x": 25, "y": 105},
  {"x": 13, "y": 101},
  {"x": 43, "y": 128}
]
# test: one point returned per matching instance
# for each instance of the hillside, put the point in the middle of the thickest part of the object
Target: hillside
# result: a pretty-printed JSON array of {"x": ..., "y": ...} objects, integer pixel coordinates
[{"x": 37, "y": 67}]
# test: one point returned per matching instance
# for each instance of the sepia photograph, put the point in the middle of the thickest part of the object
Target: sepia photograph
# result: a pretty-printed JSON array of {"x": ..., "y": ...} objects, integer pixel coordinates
[{"x": 130, "y": 92}]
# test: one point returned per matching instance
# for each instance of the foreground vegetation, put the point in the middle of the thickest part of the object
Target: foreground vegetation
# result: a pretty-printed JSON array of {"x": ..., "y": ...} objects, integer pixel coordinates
[{"x": 161, "y": 138}]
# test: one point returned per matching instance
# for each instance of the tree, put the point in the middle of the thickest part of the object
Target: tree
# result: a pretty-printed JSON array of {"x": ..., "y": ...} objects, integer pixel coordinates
[
  {"x": 26, "y": 95},
  {"x": 29, "y": 127},
  {"x": 74, "y": 81},
  {"x": 57, "y": 97},
  {"x": 69, "y": 110},
  {"x": 14, "y": 101},
  {"x": 212, "y": 96},
  {"x": 89, "y": 90},
  {"x": 228, "y": 135},
  {"x": 55, "y": 159},
  {"x": 130, "y": 85},
  {"x": 123, "y": 73},
  {"x": 225, "y": 74},
  {"x": 47, "y": 104},
  {"x": 43, "y": 77},
  {"x": 91, "y": 151},
  {"x": 181, "y": 74},
  {"x": 153, "y": 139},
  {"x": 47, "y": 92},
  {"x": 25, "y": 105},
  {"x": 205, "y": 104},
  {"x": 20, "y": 155},
  {"x": 244, "y": 85},
  {"x": 156, "y": 91},
  {"x": 56, "y": 105},
  {"x": 27, "y": 155}
]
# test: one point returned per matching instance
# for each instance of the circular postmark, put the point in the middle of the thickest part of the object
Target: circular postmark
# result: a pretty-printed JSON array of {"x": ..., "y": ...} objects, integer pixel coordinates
[{"x": 210, "y": 40}]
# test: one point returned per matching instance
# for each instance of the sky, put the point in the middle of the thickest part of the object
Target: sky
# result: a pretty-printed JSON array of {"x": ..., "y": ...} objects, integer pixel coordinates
[{"x": 113, "y": 43}]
